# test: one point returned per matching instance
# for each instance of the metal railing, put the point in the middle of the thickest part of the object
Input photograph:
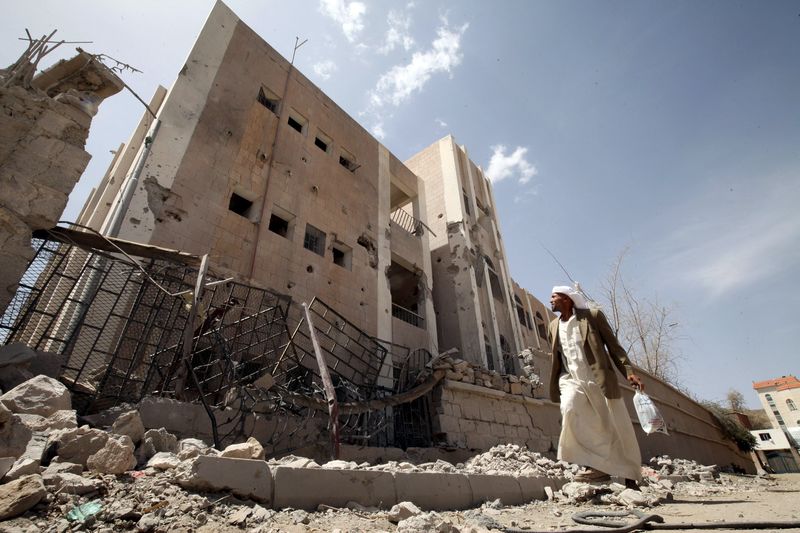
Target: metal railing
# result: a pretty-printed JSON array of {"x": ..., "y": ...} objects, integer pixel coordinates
[
  {"x": 407, "y": 222},
  {"x": 406, "y": 315}
]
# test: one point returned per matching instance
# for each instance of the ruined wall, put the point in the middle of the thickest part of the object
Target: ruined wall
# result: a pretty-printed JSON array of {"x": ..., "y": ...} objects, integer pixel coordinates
[
  {"x": 474, "y": 414},
  {"x": 43, "y": 130}
]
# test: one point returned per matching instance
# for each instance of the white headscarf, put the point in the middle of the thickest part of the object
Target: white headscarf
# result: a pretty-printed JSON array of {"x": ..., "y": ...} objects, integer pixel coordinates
[{"x": 578, "y": 299}]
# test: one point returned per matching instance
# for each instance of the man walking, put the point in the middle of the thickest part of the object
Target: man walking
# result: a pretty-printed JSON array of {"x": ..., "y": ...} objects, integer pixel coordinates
[{"x": 596, "y": 430}]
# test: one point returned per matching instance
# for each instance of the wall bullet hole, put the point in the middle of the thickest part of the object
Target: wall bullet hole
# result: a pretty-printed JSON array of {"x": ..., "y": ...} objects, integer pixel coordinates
[
  {"x": 314, "y": 189},
  {"x": 290, "y": 285},
  {"x": 362, "y": 289},
  {"x": 309, "y": 269}
]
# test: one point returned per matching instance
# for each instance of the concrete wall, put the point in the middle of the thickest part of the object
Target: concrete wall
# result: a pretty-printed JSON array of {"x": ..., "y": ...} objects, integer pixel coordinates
[{"x": 472, "y": 416}]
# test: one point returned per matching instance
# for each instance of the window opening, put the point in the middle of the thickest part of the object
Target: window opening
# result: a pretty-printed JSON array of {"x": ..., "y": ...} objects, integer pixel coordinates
[
  {"x": 540, "y": 325},
  {"x": 348, "y": 161},
  {"x": 489, "y": 354},
  {"x": 314, "y": 240},
  {"x": 505, "y": 349},
  {"x": 764, "y": 436},
  {"x": 342, "y": 255},
  {"x": 322, "y": 141},
  {"x": 520, "y": 311},
  {"x": 295, "y": 125},
  {"x": 240, "y": 205},
  {"x": 466, "y": 203},
  {"x": 278, "y": 225},
  {"x": 494, "y": 281},
  {"x": 268, "y": 99},
  {"x": 791, "y": 405}
]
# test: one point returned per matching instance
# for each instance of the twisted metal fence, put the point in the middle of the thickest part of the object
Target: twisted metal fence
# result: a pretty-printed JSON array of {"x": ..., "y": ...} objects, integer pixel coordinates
[{"x": 124, "y": 325}]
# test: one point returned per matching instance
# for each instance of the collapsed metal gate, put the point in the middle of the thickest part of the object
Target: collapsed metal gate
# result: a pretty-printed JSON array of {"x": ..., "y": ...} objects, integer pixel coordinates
[{"x": 123, "y": 322}]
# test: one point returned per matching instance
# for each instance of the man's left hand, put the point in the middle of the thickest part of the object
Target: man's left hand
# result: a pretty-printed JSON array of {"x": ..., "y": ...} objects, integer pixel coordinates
[{"x": 636, "y": 382}]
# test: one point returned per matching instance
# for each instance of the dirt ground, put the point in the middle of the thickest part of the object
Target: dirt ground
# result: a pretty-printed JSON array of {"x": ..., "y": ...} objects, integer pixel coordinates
[
  {"x": 727, "y": 498},
  {"x": 738, "y": 498}
]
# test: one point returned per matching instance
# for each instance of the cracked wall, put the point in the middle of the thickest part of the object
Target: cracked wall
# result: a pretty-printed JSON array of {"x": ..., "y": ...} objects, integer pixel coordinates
[{"x": 43, "y": 131}]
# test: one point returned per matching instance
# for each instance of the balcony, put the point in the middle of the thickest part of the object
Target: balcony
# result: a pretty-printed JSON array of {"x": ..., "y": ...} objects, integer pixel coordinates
[
  {"x": 407, "y": 222},
  {"x": 408, "y": 316}
]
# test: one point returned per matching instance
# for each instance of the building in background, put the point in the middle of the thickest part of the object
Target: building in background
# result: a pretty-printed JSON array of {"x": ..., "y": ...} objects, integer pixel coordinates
[
  {"x": 481, "y": 311},
  {"x": 774, "y": 450},
  {"x": 780, "y": 398}
]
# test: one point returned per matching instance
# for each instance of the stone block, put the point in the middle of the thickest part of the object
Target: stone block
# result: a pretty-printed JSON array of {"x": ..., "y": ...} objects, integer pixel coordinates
[
  {"x": 533, "y": 487},
  {"x": 246, "y": 478},
  {"x": 306, "y": 488},
  {"x": 486, "y": 488},
  {"x": 41, "y": 396},
  {"x": 433, "y": 490},
  {"x": 20, "y": 495}
]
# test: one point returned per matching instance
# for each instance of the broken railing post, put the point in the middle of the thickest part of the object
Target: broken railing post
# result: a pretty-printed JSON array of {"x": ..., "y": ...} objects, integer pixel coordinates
[{"x": 330, "y": 393}]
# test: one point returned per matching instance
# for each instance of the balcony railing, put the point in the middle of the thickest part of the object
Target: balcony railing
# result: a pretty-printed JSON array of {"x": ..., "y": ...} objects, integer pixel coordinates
[
  {"x": 406, "y": 315},
  {"x": 407, "y": 222}
]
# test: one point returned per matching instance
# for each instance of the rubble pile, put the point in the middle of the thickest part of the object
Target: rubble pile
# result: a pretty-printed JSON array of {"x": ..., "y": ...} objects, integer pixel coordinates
[
  {"x": 466, "y": 372},
  {"x": 515, "y": 460},
  {"x": 56, "y": 476}
]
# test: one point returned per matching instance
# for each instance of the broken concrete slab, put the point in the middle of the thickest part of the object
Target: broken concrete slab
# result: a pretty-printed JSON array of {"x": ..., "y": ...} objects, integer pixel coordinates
[
  {"x": 432, "y": 490},
  {"x": 536, "y": 488},
  {"x": 20, "y": 495},
  {"x": 64, "y": 419},
  {"x": 23, "y": 466},
  {"x": 246, "y": 478},
  {"x": 154, "y": 441},
  {"x": 14, "y": 435},
  {"x": 307, "y": 488},
  {"x": 58, "y": 468},
  {"x": 129, "y": 424},
  {"x": 115, "y": 457},
  {"x": 71, "y": 483},
  {"x": 486, "y": 488},
  {"x": 41, "y": 395},
  {"x": 401, "y": 511},
  {"x": 251, "y": 449},
  {"x": 5, "y": 465},
  {"x": 164, "y": 461},
  {"x": 77, "y": 445}
]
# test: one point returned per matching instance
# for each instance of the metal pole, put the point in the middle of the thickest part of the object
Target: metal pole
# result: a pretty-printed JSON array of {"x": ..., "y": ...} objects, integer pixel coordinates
[{"x": 330, "y": 393}]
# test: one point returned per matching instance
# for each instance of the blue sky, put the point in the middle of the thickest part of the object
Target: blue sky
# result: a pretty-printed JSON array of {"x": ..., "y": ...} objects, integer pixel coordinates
[{"x": 669, "y": 128}]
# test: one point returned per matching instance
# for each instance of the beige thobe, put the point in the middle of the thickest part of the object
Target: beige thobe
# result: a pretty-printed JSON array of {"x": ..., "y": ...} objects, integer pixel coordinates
[{"x": 595, "y": 431}]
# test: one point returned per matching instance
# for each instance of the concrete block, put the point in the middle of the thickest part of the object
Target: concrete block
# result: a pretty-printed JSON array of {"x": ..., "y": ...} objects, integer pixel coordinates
[
  {"x": 246, "y": 478},
  {"x": 486, "y": 488},
  {"x": 533, "y": 487},
  {"x": 306, "y": 488},
  {"x": 433, "y": 490}
]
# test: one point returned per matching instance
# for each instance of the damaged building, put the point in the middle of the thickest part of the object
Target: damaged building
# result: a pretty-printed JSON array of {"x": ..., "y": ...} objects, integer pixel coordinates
[{"x": 255, "y": 264}]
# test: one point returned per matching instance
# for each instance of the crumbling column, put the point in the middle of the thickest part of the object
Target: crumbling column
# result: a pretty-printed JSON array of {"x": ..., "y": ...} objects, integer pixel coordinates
[{"x": 44, "y": 123}]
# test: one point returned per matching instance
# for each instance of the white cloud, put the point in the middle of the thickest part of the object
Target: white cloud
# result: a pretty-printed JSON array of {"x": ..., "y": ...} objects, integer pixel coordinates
[
  {"x": 525, "y": 195},
  {"x": 378, "y": 131},
  {"x": 324, "y": 69},
  {"x": 502, "y": 166},
  {"x": 751, "y": 240},
  {"x": 398, "y": 33},
  {"x": 395, "y": 86},
  {"x": 441, "y": 123},
  {"x": 349, "y": 14}
]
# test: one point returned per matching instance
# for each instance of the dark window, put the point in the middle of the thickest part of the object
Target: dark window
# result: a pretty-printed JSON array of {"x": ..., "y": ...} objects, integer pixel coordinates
[
  {"x": 348, "y": 162},
  {"x": 278, "y": 225},
  {"x": 791, "y": 405},
  {"x": 314, "y": 240},
  {"x": 520, "y": 311},
  {"x": 540, "y": 325},
  {"x": 322, "y": 145},
  {"x": 466, "y": 203},
  {"x": 508, "y": 362},
  {"x": 489, "y": 355},
  {"x": 240, "y": 205},
  {"x": 342, "y": 255},
  {"x": 764, "y": 436},
  {"x": 295, "y": 124},
  {"x": 268, "y": 101}
]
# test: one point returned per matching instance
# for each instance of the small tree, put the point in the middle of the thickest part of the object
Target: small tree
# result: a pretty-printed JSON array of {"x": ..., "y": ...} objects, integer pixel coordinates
[
  {"x": 645, "y": 327},
  {"x": 731, "y": 428},
  {"x": 735, "y": 400}
]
